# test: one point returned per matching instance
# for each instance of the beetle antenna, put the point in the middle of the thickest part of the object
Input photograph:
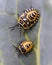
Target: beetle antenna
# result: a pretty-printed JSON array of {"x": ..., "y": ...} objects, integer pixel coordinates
[
  {"x": 15, "y": 47},
  {"x": 13, "y": 27}
]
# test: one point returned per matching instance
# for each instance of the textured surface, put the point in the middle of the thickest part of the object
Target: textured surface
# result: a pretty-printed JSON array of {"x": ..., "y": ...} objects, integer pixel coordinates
[{"x": 8, "y": 56}]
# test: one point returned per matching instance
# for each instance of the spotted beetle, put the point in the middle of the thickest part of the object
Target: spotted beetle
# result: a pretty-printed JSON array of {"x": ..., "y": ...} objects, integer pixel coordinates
[
  {"x": 28, "y": 18},
  {"x": 25, "y": 47}
]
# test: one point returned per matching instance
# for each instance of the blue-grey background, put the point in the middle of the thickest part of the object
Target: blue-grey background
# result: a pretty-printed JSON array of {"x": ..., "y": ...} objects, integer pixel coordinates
[
  {"x": 46, "y": 34},
  {"x": 8, "y": 9}
]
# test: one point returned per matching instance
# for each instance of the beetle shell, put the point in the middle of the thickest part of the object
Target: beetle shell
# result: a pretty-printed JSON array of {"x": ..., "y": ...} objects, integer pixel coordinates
[
  {"x": 25, "y": 47},
  {"x": 29, "y": 18}
]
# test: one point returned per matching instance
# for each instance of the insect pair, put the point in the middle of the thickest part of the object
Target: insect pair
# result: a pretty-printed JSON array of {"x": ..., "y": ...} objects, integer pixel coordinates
[{"x": 28, "y": 19}]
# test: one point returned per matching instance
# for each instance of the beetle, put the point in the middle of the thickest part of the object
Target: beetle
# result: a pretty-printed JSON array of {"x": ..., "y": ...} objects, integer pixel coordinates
[
  {"x": 25, "y": 47},
  {"x": 27, "y": 19}
]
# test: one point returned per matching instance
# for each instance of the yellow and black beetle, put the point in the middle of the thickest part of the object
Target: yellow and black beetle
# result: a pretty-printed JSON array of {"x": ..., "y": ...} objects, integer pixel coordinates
[
  {"x": 28, "y": 18},
  {"x": 25, "y": 47}
]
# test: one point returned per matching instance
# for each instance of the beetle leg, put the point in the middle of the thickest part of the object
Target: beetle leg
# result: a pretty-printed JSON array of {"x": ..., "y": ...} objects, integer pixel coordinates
[
  {"x": 20, "y": 32},
  {"x": 23, "y": 32},
  {"x": 16, "y": 48},
  {"x": 19, "y": 54},
  {"x": 13, "y": 27}
]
